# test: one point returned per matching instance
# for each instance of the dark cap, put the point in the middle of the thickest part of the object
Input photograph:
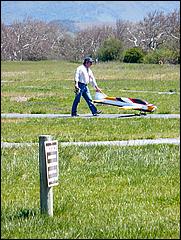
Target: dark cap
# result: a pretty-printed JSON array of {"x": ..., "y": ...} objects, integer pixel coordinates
[{"x": 88, "y": 59}]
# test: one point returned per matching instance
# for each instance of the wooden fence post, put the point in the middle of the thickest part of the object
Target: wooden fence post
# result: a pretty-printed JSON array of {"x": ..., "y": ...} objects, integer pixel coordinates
[{"x": 46, "y": 193}]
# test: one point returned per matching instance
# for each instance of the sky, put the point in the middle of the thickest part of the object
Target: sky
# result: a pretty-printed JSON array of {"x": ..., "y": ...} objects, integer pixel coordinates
[{"x": 82, "y": 10}]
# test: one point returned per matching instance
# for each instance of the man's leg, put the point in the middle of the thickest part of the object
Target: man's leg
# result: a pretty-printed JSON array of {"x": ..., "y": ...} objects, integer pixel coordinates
[
  {"x": 87, "y": 96},
  {"x": 75, "y": 103}
]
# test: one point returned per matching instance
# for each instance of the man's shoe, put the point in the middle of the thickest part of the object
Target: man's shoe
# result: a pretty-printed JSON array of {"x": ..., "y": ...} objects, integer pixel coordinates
[
  {"x": 75, "y": 115},
  {"x": 97, "y": 113}
]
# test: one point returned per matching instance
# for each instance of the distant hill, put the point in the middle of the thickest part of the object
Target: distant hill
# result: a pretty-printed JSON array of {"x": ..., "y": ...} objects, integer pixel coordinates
[
  {"x": 82, "y": 12},
  {"x": 69, "y": 25}
]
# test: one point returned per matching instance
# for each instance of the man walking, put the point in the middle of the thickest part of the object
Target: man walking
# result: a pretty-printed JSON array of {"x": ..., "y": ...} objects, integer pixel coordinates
[{"x": 83, "y": 76}]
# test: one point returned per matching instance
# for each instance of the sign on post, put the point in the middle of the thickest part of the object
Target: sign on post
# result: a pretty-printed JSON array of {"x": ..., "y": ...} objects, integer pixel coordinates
[{"x": 51, "y": 155}]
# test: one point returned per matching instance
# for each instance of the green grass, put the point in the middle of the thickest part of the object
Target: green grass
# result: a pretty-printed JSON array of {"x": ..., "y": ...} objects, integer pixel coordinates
[
  {"x": 48, "y": 86},
  {"x": 103, "y": 192},
  {"x": 95, "y": 129}
]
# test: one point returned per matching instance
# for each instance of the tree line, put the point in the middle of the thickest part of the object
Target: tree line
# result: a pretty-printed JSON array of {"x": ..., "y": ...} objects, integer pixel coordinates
[{"x": 37, "y": 40}]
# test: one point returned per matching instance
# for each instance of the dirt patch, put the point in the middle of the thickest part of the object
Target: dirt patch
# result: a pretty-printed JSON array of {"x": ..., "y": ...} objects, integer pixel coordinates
[
  {"x": 14, "y": 95},
  {"x": 12, "y": 74},
  {"x": 19, "y": 99},
  {"x": 12, "y": 120}
]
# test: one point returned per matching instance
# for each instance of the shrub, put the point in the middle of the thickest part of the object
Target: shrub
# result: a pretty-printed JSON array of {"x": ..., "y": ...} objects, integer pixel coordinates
[
  {"x": 133, "y": 55},
  {"x": 111, "y": 50},
  {"x": 163, "y": 54}
]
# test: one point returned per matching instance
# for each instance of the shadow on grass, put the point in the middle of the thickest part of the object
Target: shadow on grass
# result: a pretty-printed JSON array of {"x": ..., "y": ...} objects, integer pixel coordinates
[
  {"x": 130, "y": 115},
  {"x": 22, "y": 214},
  {"x": 26, "y": 213}
]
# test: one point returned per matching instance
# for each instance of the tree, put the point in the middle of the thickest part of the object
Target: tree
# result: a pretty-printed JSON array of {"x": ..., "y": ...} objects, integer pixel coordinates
[
  {"x": 156, "y": 30},
  {"x": 89, "y": 40},
  {"x": 110, "y": 50},
  {"x": 36, "y": 40},
  {"x": 29, "y": 40}
]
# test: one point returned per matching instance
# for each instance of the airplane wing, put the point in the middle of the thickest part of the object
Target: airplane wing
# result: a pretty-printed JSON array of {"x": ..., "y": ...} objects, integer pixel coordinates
[
  {"x": 129, "y": 108},
  {"x": 124, "y": 103}
]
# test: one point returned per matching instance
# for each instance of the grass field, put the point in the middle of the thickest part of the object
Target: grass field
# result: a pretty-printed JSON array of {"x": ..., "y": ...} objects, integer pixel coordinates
[
  {"x": 47, "y": 87},
  {"x": 103, "y": 192}
]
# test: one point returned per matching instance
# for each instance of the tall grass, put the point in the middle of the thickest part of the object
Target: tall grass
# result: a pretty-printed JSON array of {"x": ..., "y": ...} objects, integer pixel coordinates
[{"x": 103, "y": 192}]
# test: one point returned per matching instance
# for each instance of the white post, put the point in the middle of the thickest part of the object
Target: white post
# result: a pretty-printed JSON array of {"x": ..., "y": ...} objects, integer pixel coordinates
[{"x": 46, "y": 193}]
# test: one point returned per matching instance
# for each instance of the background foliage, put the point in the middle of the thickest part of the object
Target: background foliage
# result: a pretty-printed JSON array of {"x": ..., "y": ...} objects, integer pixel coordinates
[{"x": 37, "y": 40}]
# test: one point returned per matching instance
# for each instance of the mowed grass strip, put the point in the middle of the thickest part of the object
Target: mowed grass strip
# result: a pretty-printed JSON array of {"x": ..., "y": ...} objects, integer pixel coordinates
[
  {"x": 103, "y": 192},
  {"x": 94, "y": 129}
]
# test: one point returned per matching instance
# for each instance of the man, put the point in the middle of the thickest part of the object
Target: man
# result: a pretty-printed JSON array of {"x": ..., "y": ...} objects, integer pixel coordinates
[{"x": 83, "y": 76}]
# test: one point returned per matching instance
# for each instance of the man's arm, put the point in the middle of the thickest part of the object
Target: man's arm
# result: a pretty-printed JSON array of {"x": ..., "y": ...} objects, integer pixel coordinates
[
  {"x": 98, "y": 89},
  {"x": 93, "y": 82},
  {"x": 77, "y": 79}
]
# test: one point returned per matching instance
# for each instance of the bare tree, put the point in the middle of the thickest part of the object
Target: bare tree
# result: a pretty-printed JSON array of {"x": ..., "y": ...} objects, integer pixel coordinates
[
  {"x": 64, "y": 47},
  {"x": 154, "y": 31},
  {"x": 4, "y": 42},
  {"x": 173, "y": 30},
  {"x": 89, "y": 40},
  {"x": 29, "y": 40},
  {"x": 34, "y": 39},
  {"x": 125, "y": 31}
]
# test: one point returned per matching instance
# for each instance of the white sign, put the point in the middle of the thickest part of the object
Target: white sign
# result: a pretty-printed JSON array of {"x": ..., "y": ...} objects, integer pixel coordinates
[{"x": 51, "y": 153}]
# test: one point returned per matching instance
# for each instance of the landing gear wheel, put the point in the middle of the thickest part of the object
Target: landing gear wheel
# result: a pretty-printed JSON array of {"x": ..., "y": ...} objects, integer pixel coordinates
[{"x": 143, "y": 113}]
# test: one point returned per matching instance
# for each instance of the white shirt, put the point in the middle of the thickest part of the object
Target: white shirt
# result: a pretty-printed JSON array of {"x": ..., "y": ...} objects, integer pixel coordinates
[{"x": 85, "y": 75}]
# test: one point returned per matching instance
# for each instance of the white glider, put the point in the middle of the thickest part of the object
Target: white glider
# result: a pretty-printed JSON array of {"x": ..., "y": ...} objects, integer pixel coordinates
[{"x": 124, "y": 103}]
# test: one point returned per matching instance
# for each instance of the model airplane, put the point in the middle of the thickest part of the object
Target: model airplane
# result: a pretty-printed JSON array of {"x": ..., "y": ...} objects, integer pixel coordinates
[{"x": 125, "y": 103}]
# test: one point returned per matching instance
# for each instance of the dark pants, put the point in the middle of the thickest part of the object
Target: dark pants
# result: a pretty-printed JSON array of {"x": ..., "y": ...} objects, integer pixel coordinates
[{"x": 85, "y": 93}]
